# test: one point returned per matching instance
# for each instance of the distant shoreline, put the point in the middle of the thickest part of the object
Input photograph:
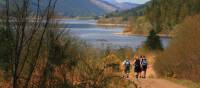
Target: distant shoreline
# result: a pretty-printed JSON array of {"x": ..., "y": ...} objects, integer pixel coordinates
[
  {"x": 110, "y": 24},
  {"x": 144, "y": 35}
]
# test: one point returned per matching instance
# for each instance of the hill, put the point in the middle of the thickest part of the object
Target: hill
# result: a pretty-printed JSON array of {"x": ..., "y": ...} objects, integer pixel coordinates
[
  {"x": 120, "y": 6},
  {"x": 105, "y": 5},
  {"x": 86, "y": 7},
  {"x": 76, "y": 8},
  {"x": 137, "y": 11}
]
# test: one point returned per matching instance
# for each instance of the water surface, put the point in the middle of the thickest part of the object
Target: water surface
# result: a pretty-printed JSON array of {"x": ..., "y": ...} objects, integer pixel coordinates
[{"x": 104, "y": 36}]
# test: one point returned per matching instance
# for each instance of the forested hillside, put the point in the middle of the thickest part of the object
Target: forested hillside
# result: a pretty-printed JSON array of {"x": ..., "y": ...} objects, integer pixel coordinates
[
  {"x": 165, "y": 14},
  {"x": 162, "y": 15},
  {"x": 138, "y": 11},
  {"x": 121, "y": 17}
]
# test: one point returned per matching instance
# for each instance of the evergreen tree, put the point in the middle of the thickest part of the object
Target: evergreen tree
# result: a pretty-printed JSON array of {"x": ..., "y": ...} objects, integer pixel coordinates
[{"x": 153, "y": 41}]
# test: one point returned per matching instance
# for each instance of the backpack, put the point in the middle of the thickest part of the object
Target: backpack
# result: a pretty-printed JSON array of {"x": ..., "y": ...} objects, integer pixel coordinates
[
  {"x": 144, "y": 62},
  {"x": 137, "y": 63},
  {"x": 127, "y": 63}
]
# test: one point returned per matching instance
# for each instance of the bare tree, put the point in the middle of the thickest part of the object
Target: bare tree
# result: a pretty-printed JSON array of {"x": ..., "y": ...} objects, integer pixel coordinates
[{"x": 27, "y": 31}]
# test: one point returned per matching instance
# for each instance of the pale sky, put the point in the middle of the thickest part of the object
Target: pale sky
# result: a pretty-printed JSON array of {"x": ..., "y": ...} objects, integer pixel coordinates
[{"x": 134, "y": 1}]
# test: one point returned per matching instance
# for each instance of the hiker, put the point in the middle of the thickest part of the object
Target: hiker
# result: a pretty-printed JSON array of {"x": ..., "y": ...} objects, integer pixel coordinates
[
  {"x": 144, "y": 66},
  {"x": 126, "y": 64},
  {"x": 137, "y": 68},
  {"x": 140, "y": 71}
]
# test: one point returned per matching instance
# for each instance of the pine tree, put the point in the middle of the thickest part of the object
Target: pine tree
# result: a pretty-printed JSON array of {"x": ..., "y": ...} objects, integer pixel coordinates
[{"x": 153, "y": 41}]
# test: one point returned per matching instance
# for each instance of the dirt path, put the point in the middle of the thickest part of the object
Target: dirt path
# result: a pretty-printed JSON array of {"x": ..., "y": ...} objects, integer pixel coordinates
[
  {"x": 152, "y": 81},
  {"x": 156, "y": 83}
]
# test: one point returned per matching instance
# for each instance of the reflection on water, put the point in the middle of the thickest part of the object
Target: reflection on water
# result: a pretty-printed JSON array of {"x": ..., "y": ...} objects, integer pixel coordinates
[{"x": 102, "y": 37}]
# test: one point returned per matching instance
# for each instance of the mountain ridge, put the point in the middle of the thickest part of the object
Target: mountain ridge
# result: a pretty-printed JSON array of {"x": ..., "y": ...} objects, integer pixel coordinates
[
  {"x": 137, "y": 11},
  {"x": 73, "y": 8},
  {"x": 122, "y": 6}
]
